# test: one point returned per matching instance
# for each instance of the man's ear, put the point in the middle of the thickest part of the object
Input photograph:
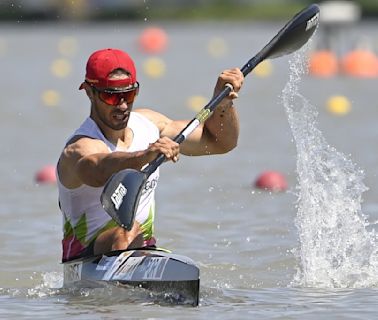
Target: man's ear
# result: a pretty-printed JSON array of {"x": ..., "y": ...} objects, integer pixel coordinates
[{"x": 88, "y": 90}]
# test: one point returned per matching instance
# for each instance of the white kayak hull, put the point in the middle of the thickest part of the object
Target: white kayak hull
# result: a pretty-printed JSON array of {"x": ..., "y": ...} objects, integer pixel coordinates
[{"x": 155, "y": 270}]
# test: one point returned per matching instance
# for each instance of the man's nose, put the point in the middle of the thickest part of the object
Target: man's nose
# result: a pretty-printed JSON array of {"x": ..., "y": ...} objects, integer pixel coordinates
[{"x": 122, "y": 105}]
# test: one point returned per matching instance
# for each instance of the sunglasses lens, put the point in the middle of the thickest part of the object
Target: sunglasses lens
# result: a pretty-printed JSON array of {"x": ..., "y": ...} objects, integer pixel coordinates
[
  {"x": 115, "y": 99},
  {"x": 130, "y": 96},
  {"x": 108, "y": 98}
]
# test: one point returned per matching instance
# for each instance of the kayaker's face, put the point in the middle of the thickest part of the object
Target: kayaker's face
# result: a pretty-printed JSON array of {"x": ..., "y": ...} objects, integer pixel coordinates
[
  {"x": 115, "y": 117},
  {"x": 113, "y": 108}
]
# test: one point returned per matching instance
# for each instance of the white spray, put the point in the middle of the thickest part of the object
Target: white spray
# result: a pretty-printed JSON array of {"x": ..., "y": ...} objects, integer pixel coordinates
[{"x": 336, "y": 250}]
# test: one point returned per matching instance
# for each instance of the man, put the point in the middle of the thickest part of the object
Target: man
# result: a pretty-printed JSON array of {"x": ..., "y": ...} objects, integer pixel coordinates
[{"x": 114, "y": 138}]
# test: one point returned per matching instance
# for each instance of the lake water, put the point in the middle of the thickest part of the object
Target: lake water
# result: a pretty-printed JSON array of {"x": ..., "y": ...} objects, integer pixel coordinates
[{"x": 302, "y": 254}]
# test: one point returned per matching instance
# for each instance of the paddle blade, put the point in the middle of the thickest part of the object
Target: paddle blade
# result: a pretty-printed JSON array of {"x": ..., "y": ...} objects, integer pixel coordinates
[
  {"x": 121, "y": 194},
  {"x": 294, "y": 34}
]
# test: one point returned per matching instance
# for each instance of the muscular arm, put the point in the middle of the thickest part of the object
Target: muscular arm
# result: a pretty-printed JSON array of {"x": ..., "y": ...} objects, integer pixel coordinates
[
  {"x": 219, "y": 133},
  {"x": 88, "y": 161}
]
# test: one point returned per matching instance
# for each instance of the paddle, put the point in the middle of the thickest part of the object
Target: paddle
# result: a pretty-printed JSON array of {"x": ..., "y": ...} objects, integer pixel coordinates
[{"x": 121, "y": 194}]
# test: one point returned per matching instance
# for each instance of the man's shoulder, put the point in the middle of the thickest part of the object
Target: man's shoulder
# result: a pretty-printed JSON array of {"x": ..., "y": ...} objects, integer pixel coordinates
[
  {"x": 157, "y": 118},
  {"x": 144, "y": 111},
  {"x": 74, "y": 139},
  {"x": 83, "y": 145},
  {"x": 79, "y": 139}
]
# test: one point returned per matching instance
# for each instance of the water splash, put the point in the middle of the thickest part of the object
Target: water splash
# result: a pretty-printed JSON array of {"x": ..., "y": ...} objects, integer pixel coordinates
[
  {"x": 49, "y": 286},
  {"x": 336, "y": 249}
]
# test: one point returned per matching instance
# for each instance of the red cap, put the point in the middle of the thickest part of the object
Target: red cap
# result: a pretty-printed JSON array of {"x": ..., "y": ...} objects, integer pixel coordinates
[{"x": 102, "y": 62}]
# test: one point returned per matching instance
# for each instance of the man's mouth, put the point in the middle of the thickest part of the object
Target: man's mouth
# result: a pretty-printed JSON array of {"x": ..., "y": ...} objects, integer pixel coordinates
[{"x": 121, "y": 116}]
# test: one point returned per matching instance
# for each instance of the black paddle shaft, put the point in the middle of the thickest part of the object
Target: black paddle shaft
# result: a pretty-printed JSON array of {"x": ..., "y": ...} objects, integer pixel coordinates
[{"x": 289, "y": 39}]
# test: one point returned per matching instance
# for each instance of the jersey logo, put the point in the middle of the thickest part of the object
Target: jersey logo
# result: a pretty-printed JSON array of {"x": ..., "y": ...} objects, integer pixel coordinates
[{"x": 117, "y": 196}]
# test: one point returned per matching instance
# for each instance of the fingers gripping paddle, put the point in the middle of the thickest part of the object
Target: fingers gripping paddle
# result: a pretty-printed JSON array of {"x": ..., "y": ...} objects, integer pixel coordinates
[{"x": 121, "y": 194}]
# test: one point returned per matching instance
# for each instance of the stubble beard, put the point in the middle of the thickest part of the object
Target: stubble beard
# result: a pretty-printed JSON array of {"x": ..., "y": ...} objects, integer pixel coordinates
[{"x": 106, "y": 120}]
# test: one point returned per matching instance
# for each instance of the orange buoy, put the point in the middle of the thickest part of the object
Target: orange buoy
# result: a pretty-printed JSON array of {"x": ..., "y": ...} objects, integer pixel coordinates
[
  {"x": 323, "y": 63},
  {"x": 271, "y": 181},
  {"x": 153, "y": 40},
  {"x": 360, "y": 63},
  {"x": 46, "y": 175}
]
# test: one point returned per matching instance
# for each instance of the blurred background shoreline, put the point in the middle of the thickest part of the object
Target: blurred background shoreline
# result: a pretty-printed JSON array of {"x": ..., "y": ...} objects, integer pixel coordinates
[{"x": 138, "y": 10}]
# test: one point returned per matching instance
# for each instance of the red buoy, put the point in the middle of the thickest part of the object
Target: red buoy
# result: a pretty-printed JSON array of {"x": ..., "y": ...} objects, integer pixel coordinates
[
  {"x": 271, "y": 181},
  {"x": 360, "y": 63},
  {"x": 153, "y": 40},
  {"x": 323, "y": 63},
  {"x": 46, "y": 175}
]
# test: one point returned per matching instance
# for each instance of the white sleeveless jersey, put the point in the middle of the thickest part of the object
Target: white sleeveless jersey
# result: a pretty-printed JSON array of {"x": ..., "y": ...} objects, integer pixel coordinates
[{"x": 84, "y": 217}]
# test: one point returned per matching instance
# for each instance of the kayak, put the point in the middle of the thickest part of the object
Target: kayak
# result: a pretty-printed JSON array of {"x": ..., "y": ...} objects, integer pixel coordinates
[{"x": 172, "y": 276}]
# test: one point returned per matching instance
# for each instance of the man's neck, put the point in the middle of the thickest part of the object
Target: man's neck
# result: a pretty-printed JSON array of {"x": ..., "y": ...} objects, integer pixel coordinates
[{"x": 122, "y": 138}]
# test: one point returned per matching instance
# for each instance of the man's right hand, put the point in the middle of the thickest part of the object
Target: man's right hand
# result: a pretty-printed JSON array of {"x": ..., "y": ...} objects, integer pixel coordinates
[{"x": 166, "y": 146}]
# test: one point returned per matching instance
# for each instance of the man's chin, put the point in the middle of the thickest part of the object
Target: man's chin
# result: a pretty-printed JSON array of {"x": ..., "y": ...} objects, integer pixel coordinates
[{"x": 119, "y": 124}]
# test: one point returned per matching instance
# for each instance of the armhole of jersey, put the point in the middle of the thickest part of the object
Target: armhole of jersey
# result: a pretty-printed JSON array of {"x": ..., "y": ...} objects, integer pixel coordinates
[{"x": 148, "y": 121}]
